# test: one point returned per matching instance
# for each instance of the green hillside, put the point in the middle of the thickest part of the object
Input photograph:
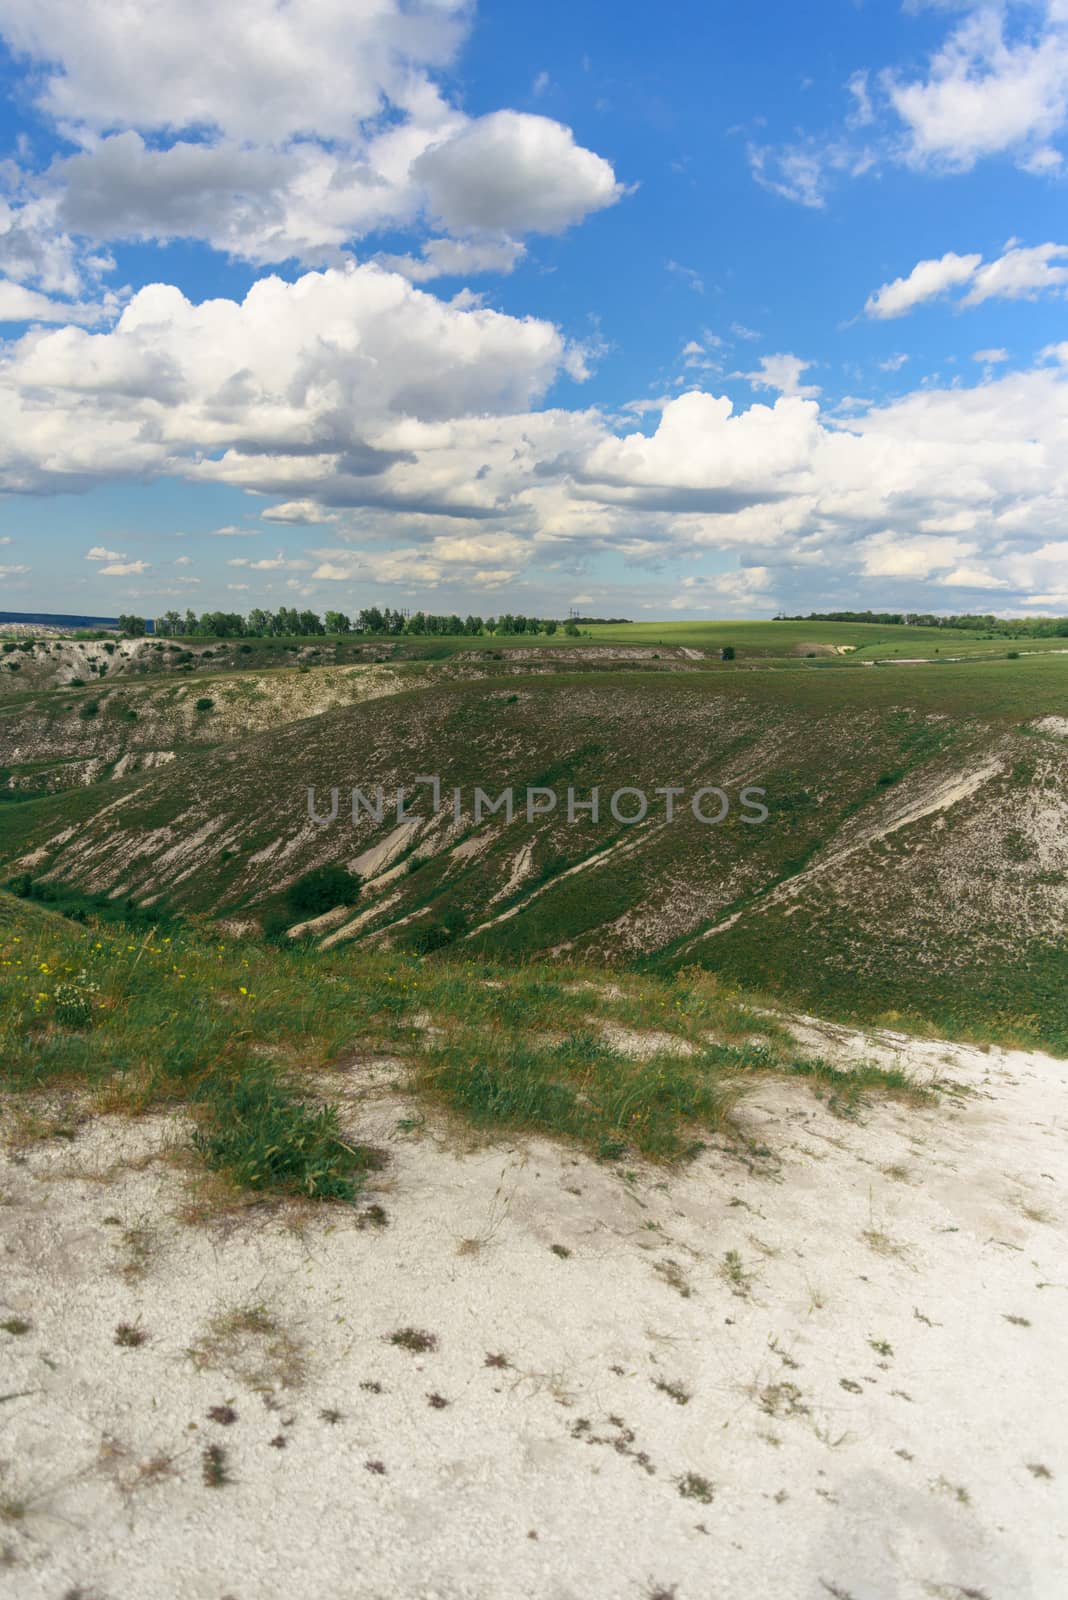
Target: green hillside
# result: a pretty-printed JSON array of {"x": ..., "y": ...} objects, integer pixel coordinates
[{"x": 914, "y": 860}]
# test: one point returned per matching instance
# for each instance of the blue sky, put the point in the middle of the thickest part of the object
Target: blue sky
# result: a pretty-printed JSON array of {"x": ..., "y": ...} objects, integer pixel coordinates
[{"x": 705, "y": 311}]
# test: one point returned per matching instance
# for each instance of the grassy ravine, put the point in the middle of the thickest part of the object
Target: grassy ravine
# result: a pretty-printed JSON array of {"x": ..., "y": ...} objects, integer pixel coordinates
[{"x": 232, "y": 1030}]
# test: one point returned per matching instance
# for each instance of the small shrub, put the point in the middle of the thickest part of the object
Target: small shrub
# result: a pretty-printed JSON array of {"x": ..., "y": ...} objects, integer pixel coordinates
[
  {"x": 205, "y": 703},
  {"x": 89, "y": 710},
  {"x": 321, "y": 890}
]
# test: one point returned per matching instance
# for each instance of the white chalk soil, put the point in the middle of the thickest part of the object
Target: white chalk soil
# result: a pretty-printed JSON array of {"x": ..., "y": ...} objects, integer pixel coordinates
[{"x": 830, "y": 1363}]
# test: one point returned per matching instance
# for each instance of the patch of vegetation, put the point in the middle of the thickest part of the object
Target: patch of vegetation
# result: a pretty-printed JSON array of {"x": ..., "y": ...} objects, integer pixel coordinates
[
  {"x": 263, "y": 1137},
  {"x": 248, "y": 1343},
  {"x": 321, "y": 890},
  {"x": 213, "y": 1468},
  {"x": 415, "y": 1340},
  {"x": 692, "y": 1486},
  {"x": 130, "y": 1336},
  {"x": 580, "y": 1088},
  {"x": 675, "y": 1391},
  {"x": 184, "y": 1016}
]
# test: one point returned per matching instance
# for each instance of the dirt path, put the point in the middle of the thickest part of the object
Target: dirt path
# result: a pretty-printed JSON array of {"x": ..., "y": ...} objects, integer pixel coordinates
[{"x": 830, "y": 1366}]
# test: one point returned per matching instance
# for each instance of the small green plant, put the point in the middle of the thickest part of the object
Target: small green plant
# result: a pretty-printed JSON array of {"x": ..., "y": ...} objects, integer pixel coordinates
[
  {"x": 90, "y": 709},
  {"x": 205, "y": 703},
  {"x": 129, "y": 1335},
  {"x": 733, "y": 1270},
  {"x": 692, "y": 1486}
]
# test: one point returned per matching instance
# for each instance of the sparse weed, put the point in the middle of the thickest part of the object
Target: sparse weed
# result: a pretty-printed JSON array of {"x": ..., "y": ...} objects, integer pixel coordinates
[
  {"x": 692, "y": 1486},
  {"x": 676, "y": 1391},
  {"x": 129, "y": 1335},
  {"x": 213, "y": 1469},
  {"x": 415, "y": 1340}
]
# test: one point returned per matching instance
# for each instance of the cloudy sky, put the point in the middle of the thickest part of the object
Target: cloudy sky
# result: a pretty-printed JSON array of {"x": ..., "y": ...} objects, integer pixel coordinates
[{"x": 698, "y": 310}]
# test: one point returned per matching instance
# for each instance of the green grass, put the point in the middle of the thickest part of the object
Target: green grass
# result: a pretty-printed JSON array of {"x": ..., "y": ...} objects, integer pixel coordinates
[
  {"x": 582, "y": 1089},
  {"x": 233, "y": 1029},
  {"x": 868, "y": 641},
  {"x": 262, "y": 1136}
]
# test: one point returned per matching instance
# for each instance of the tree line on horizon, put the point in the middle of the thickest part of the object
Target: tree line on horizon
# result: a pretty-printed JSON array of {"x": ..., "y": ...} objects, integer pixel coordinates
[
  {"x": 288, "y": 622},
  {"x": 1031, "y": 627}
]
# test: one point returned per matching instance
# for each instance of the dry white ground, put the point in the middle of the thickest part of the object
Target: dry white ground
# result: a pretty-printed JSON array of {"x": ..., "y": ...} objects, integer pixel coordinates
[{"x": 830, "y": 1366}]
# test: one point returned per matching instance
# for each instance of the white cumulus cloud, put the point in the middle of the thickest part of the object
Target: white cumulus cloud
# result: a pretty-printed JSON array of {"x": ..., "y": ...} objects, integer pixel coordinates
[
  {"x": 987, "y": 90},
  {"x": 927, "y": 280},
  {"x": 123, "y": 569},
  {"x": 511, "y": 171}
]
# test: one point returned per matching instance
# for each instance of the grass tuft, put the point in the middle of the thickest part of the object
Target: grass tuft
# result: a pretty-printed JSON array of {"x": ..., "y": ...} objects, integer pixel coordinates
[
  {"x": 263, "y": 1137},
  {"x": 417, "y": 1340}
]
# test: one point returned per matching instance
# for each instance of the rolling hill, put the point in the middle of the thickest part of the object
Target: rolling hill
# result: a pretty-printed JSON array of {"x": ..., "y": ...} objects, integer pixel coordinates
[{"x": 914, "y": 859}]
